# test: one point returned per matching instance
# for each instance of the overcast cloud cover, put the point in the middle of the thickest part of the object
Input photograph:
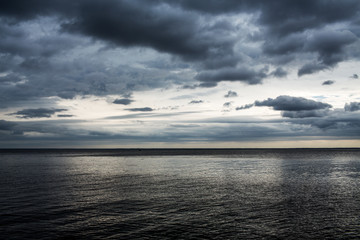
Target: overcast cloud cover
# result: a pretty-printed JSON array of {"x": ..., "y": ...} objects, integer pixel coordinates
[{"x": 159, "y": 73}]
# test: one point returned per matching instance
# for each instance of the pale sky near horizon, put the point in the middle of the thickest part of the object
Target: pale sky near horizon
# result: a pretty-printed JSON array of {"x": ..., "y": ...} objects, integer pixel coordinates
[{"x": 179, "y": 73}]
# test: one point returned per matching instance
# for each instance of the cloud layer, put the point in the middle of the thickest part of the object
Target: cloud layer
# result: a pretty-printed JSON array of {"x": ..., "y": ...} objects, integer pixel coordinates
[
  {"x": 288, "y": 103},
  {"x": 56, "y": 55},
  {"x": 37, "y": 113},
  {"x": 202, "y": 35}
]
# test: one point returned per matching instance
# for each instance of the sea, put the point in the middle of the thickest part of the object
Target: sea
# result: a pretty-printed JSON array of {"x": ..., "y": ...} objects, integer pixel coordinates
[{"x": 180, "y": 194}]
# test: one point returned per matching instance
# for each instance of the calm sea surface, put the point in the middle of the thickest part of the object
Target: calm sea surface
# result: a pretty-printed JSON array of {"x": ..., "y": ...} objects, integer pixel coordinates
[{"x": 180, "y": 194}]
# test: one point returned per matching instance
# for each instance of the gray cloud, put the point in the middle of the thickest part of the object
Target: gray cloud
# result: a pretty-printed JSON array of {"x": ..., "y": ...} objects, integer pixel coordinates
[
  {"x": 180, "y": 28},
  {"x": 295, "y": 16},
  {"x": 288, "y": 103},
  {"x": 167, "y": 65},
  {"x": 285, "y": 45},
  {"x": 27, "y": 43},
  {"x": 298, "y": 16},
  {"x": 231, "y": 94},
  {"x": 37, "y": 113},
  {"x": 232, "y": 74},
  {"x": 67, "y": 48},
  {"x": 49, "y": 133},
  {"x": 145, "y": 115},
  {"x": 67, "y": 79},
  {"x": 154, "y": 25},
  {"x": 355, "y": 76},
  {"x": 155, "y": 15},
  {"x": 353, "y": 106},
  {"x": 6, "y": 125},
  {"x": 328, "y": 82},
  {"x": 123, "y": 101},
  {"x": 324, "y": 123},
  {"x": 338, "y": 124},
  {"x": 246, "y": 106},
  {"x": 206, "y": 85},
  {"x": 33, "y": 8},
  {"x": 144, "y": 109},
  {"x": 39, "y": 63},
  {"x": 196, "y": 101},
  {"x": 333, "y": 123},
  {"x": 305, "y": 113},
  {"x": 64, "y": 115},
  {"x": 310, "y": 68},
  {"x": 11, "y": 78},
  {"x": 330, "y": 45},
  {"x": 279, "y": 72},
  {"x": 330, "y": 48},
  {"x": 227, "y": 104},
  {"x": 301, "y": 13}
]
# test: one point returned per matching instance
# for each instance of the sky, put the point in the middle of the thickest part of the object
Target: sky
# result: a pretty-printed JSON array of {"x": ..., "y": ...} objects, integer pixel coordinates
[{"x": 179, "y": 73}]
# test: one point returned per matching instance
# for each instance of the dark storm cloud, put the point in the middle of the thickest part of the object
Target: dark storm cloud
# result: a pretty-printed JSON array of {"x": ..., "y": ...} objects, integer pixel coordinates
[
  {"x": 277, "y": 11},
  {"x": 123, "y": 101},
  {"x": 137, "y": 23},
  {"x": 126, "y": 24},
  {"x": 214, "y": 6},
  {"x": 328, "y": 82},
  {"x": 288, "y": 103},
  {"x": 24, "y": 10},
  {"x": 311, "y": 68},
  {"x": 167, "y": 65},
  {"x": 353, "y": 106},
  {"x": 144, "y": 109},
  {"x": 159, "y": 26},
  {"x": 17, "y": 40},
  {"x": 198, "y": 32},
  {"x": 199, "y": 35},
  {"x": 285, "y": 45},
  {"x": 282, "y": 17},
  {"x": 231, "y": 94},
  {"x": 329, "y": 45},
  {"x": 37, "y": 113}
]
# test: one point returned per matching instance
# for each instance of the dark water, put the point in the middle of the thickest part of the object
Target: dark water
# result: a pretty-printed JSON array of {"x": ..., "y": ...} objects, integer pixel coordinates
[{"x": 187, "y": 194}]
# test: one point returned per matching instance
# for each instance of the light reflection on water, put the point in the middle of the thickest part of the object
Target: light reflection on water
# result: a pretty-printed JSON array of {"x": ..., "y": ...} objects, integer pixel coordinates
[{"x": 264, "y": 194}]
